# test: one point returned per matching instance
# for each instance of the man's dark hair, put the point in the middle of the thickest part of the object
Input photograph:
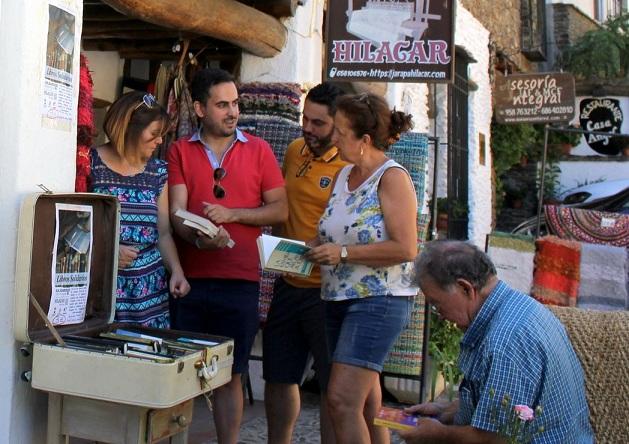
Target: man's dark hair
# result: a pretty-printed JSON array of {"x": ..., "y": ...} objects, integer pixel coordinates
[
  {"x": 326, "y": 94},
  {"x": 446, "y": 261},
  {"x": 205, "y": 79}
]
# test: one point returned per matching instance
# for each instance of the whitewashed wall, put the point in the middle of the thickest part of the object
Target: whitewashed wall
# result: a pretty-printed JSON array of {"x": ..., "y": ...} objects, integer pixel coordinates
[
  {"x": 29, "y": 154},
  {"x": 474, "y": 38},
  {"x": 300, "y": 60}
]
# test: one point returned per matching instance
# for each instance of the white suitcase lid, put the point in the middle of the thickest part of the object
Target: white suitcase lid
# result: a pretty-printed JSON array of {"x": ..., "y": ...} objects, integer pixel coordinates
[{"x": 37, "y": 231}]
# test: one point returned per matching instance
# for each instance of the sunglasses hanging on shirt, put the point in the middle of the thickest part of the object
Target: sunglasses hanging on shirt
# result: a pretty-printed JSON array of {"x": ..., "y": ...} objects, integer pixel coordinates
[{"x": 217, "y": 189}]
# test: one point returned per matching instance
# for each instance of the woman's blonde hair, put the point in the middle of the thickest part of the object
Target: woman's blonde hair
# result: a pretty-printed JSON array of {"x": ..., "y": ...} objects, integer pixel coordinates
[{"x": 128, "y": 116}]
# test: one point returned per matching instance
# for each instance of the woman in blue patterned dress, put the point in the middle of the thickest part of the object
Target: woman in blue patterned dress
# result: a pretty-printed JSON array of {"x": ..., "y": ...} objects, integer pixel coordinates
[
  {"x": 124, "y": 168},
  {"x": 367, "y": 242}
]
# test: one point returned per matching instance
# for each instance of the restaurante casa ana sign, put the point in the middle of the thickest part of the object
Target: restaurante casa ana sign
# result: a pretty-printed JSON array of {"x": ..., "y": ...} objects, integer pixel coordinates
[{"x": 534, "y": 98}]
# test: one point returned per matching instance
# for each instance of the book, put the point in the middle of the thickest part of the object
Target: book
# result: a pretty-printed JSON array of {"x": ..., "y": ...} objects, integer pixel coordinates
[
  {"x": 201, "y": 224},
  {"x": 283, "y": 255},
  {"x": 395, "y": 419}
]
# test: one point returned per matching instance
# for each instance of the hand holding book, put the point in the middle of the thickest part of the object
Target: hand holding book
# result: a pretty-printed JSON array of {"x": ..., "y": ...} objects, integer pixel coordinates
[
  {"x": 283, "y": 255},
  {"x": 201, "y": 224}
]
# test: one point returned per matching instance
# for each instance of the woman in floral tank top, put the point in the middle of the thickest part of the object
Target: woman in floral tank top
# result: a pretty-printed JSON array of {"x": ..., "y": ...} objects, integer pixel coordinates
[{"x": 367, "y": 242}]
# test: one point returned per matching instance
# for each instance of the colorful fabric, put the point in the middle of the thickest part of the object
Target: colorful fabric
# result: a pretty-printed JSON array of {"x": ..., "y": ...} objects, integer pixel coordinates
[
  {"x": 411, "y": 151},
  {"x": 593, "y": 227},
  {"x": 513, "y": 256},
  {"x": 604, "y": 278},
  {"x": 557, "y": 271},
  {"x": 142, "y": 288},
  {"x": 85, "y": 127},
  {"x": 407, "y": 354},
  {"x": 270, "y": 99},
  {"x": 516, "y": 346},
  {"x": 251, "y": 170},
  {"x": 355, "y": 218},
  {"x": 308, "y": 187}
]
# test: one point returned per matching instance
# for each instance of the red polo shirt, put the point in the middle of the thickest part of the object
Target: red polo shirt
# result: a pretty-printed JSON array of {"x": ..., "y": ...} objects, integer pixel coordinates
[{"x": 251, "y": 169}]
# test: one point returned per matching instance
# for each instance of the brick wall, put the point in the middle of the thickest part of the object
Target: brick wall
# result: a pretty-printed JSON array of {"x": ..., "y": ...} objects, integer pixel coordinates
[{"x": 569, "y": 24}]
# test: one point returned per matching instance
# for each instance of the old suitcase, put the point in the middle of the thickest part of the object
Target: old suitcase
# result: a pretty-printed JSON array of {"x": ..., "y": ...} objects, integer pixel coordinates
[{"x": 67, "y": 251}]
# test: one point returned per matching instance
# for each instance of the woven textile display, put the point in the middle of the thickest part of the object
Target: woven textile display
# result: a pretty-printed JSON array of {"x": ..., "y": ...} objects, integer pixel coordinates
[
  {"x": 411, "y": 151},
  {"x": 594, "y": 227},
  {"x": 513, "y": 257},
  {"x": 270, "y": 111},
  {"x": 604, "y": 277},
  {"x": 406, "y": 355},
  {"x": 601, "y": 342},
  {"x": 557, "y": 271}
]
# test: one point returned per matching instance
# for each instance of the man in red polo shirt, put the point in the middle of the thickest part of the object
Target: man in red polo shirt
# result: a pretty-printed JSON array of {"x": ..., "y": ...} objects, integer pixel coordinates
[{"x": 233, "y": 179}]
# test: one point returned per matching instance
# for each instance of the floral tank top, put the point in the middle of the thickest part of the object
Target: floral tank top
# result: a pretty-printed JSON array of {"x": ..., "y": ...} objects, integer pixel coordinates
[{"x": 355, "y": 218}]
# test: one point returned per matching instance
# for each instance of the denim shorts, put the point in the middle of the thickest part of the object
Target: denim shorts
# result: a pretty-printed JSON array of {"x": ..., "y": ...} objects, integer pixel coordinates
[
  {"x": 294, "y": 328},
  {"x": 222, "y": 307},
  {"x": 362, "y": 331}
]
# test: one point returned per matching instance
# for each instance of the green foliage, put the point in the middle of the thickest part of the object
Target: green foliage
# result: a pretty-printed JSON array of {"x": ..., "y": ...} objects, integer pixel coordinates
[
  {"x": 509, "y": 143},
  {"x": 602, "y": 53},
  {"x": 444, "y": 347},
  {"x": 551, "y": 181}
]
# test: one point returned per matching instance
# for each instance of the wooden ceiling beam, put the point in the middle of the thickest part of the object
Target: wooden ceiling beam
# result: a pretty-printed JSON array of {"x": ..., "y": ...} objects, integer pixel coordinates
[
  {"x": 102, "y": 13},
  {"x": 228, "y": 20}
]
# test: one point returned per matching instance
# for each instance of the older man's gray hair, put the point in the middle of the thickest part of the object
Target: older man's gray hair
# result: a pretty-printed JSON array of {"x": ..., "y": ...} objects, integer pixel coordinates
[{"x": 446, "y": 261}]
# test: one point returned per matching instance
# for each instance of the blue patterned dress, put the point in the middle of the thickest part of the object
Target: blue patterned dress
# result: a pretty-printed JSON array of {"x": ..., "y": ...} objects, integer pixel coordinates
[{"x": 142, "y": 288}]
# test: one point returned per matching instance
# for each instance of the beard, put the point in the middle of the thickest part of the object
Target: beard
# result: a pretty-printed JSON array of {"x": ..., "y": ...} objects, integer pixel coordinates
[
  {"x": 220, "y": 129},
  {"x": 318, "y": 145}
]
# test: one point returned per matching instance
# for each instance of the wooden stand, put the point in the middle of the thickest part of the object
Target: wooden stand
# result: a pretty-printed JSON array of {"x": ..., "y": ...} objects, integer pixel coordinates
[{"x": 113, "y": 423}]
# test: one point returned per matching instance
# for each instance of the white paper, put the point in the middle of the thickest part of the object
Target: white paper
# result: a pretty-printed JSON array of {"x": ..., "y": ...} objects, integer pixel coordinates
[
  {"x": 59, "y": 80},
  {"x": 71, "y": 261}
]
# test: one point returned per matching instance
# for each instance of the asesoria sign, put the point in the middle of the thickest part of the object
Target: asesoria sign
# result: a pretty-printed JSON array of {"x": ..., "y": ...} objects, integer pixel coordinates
[
  {"x": 390, "y": 41},
  {"x": 534, "y": 98}
]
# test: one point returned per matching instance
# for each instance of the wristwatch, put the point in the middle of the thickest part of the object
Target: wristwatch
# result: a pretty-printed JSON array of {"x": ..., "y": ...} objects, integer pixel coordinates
[{"x": 343, "y": 253}]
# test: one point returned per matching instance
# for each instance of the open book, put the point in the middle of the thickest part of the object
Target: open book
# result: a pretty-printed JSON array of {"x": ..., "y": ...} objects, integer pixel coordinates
[
  {"x": 283, "y": 255},
  {"x": 395, "y": 419},
  {"x": 200, "y": 223}
]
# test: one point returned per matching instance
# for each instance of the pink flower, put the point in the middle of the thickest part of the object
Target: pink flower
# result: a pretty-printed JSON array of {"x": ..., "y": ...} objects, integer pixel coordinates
[{"x": 524, "y": 412}]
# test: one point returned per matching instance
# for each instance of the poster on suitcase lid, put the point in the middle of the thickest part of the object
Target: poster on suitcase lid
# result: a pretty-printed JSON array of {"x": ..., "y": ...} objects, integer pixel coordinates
[
  {"x": 390, "y": 41},
  {"x": 72, "y": 256}
]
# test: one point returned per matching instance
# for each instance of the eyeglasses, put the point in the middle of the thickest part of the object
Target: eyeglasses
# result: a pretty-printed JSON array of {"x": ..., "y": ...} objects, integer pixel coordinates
[
  {"x": 218, "y": 190},
  {"x": 149, "y": 100}
]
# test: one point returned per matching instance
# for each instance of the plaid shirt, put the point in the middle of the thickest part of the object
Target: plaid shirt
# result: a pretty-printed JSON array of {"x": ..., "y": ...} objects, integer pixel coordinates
[{"x": 516, "y": 346}]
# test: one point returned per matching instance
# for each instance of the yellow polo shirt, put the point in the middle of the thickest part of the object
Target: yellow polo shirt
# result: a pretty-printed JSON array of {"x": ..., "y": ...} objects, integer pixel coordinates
[{"x": 308, "y": 186}]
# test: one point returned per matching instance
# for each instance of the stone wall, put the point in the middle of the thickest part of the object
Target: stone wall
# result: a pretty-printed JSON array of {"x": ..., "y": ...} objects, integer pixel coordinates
[
  {"x": 504, "y": 25},
  {"x": 569, "y": 24}
]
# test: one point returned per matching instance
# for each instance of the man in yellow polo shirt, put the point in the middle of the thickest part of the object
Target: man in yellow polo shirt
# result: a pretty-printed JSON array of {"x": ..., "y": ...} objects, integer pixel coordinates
[{"x": 295, "y": 324}]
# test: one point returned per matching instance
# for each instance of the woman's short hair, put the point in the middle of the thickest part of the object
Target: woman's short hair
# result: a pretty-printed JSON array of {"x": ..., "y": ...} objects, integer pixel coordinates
[
  {"x": 128, "y": 116},
  {"x": 370, "y": 114}
]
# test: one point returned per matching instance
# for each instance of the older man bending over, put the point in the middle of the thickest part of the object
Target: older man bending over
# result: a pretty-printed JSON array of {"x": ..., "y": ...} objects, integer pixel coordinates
[{"x": 512, "y": 345}]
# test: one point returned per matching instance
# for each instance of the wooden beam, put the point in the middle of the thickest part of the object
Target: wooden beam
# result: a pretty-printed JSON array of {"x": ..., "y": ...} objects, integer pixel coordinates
[
  {"x": 227, "y": 20},
  {"x": 102, "y": 13}
]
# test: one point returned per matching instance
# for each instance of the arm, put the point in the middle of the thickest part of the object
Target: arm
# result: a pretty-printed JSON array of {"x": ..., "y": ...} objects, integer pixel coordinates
[
  {"x": 274, "y": 211},
  {"x": 399, "y": 208},
  {"x": 430, "y": 430},
  {"x": 178, "y": 285}
]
